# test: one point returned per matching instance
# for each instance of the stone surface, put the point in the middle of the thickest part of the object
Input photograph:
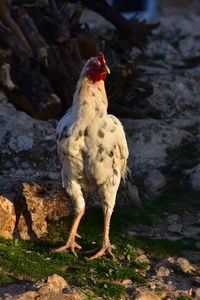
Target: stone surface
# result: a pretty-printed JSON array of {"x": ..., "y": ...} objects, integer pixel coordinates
[
  {"x": 184, "y": 265},
  {"x": 8, "y": 217},
  {"x": 143, "y": 258},
  {"x": 27, "y": 145},
  {"x": 27, "y": 208},
  {"x": 154, "y": 182},
  {"x": 197, "y": 294},
  {"x": 51, "y": 288},
  {"x": 176, "y": 94},
  {"x": 147, "y": 296},
  {"x": 54, "y": 283},
  {"x": 163, "y": 271},
  {"x": 148, "y": 142},
  {"x": 194, "y": 177}
]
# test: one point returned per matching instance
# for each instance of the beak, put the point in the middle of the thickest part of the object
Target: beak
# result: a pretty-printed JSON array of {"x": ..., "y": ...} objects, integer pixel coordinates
[{"x": 106, "y": 69}]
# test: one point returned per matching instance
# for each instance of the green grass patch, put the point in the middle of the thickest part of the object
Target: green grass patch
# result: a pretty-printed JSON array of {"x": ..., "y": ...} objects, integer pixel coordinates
[
  {"x": 32, "y": 260},
  {"x": 101, "y": 277},
  {"x": 184, "y": 297},
  {"x": 175, "y": 200},
  {"x": 159, "y": 248},
  {"x": 6, "y": 279},
  {"x": 180, "y": 158}
]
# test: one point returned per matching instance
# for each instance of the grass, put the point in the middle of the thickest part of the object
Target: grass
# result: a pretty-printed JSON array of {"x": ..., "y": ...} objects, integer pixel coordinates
[
  {"x": 32, "y": 260},
  {"x": 184, "y": 297},
  {"x": 180, "y": 158}
]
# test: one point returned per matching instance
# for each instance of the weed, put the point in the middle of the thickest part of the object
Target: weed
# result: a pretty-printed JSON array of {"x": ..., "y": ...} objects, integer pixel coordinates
[
  {"x": 5, "y": 279},
  {"x": 184, "y": 297}
]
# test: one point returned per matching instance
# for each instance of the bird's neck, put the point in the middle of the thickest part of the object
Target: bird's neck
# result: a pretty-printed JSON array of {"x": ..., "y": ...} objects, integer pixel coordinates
[
  {"x": 89, "y": 105},
  {"x": 91, "y": 93}
]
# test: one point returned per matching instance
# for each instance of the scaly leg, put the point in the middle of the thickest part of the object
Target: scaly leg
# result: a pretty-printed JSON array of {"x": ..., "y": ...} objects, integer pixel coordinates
[
  {"x": 106, "y": 246},
  {"x": 71, "y": 243}
]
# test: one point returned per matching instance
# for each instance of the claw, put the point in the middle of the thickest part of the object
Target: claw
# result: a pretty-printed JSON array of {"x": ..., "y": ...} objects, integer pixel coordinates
[
  {"x": 100, "y": 251},
  {"x": 70, "y": 246},
  {"x": 77, "y": 235}
]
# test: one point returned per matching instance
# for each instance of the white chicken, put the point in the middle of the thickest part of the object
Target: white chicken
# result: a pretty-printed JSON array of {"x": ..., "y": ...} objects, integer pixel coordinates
[{"x": 93, "y": 150}]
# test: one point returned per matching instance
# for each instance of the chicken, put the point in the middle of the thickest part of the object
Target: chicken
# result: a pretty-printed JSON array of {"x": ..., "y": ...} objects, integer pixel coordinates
[{"x": 93, "y": 151}]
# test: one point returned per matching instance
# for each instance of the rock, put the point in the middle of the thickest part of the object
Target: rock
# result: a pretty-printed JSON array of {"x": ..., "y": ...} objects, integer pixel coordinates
[
  {"x": 54, "y": 283},
  {"x": 194, "y": 177},
  {"x": 163, "y": 53},
  {"x": 197, "y": 279},
  {"x": 184, "y": 265},
  {"x": 171, "y": 219},
  {"x": 176, "y": 94},
  {"x": 8, "y": 217},
  {"x": 154, "y": 182},
  {"x": 190, "y": 47},
  {"x": 163, "y": 271},
  {"x": 148, "y": 142},
  {"x": 127, "y": 283},
  {"x": 20, "y": 143},
  {"x": 28, "y": 142},
  {"x": 133, "y": 194},
  {"x": 191, "y": 231},
  {"x": 5, "y": 79},
  {"x": 51, "y": 288},
  {"x": 25, "y": 296},
  {"x": 143, "y": 258},
  {"x": 175, "y": 228},
  {"x": 25, "y": 211},
  {"x": 147, "y": 296},
  {"x": 197, "y": 294}
]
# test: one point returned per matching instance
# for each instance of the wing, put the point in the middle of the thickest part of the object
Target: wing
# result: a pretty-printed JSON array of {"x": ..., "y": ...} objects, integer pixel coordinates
[
  {"x": 121, "y": 152},
  {"x": 106, "y": 151}
]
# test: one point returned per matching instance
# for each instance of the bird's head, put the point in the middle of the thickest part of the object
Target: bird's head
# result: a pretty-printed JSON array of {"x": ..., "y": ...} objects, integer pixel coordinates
[{"x": 96, "y": 68}]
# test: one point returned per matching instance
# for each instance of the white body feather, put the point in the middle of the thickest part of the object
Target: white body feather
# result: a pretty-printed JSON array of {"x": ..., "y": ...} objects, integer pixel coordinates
[{"x": 92, "y": 146}]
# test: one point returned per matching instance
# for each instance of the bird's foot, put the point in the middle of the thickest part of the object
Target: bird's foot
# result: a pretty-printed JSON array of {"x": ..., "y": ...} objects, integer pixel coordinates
[
  {"x": 71, "y": 245},
  {"x": 100, "y": 251}
]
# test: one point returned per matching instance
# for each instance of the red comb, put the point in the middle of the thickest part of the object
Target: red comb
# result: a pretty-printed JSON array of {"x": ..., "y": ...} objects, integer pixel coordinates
[{"x": 101, "y": 58}]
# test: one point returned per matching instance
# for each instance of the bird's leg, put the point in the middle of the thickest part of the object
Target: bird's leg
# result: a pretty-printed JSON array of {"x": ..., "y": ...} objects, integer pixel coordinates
[
  {"x": 106, "y": 247},
  {"x": 71, "y": 243}
]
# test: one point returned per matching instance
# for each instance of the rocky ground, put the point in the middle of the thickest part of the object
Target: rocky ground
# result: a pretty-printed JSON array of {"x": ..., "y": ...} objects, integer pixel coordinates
[{"x": 164, "y": 153}]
